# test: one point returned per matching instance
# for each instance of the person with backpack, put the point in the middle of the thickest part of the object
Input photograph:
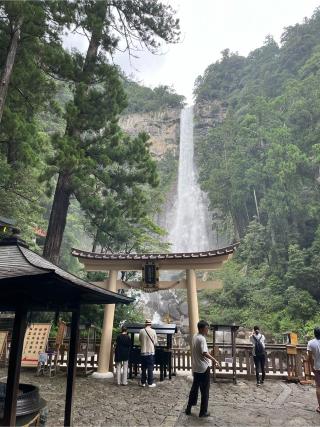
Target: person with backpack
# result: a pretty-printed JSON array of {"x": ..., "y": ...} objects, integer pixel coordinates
[
  {"x": 148, "y": 341},
  {"x": 258, "y": 353}
]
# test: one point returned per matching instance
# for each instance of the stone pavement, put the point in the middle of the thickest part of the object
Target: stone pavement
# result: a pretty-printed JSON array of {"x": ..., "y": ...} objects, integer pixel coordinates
[
  {"x": 103, "y": 403},
  {"x": 275, "y": 403}
]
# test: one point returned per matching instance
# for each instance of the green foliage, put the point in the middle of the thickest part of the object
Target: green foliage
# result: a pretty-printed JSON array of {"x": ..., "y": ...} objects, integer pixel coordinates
[
  {"x": 106, "y": 170},
  {"x": 22, "y": 143},
  {"x": 143, "y": 99},
  {"x": 260, "y": 167},
  {"x": 61, "y": 119}
]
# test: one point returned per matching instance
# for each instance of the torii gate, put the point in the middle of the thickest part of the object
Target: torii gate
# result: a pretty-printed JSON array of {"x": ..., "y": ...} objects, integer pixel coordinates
[{"x": 190, "y": 262}]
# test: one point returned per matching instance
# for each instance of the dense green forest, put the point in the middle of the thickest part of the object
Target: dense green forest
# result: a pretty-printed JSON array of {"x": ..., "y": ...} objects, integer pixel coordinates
[
  {"x": 260, "y": 167},
  {"x": 62, "y": 153},
  {"x": 66, "y": 166}
]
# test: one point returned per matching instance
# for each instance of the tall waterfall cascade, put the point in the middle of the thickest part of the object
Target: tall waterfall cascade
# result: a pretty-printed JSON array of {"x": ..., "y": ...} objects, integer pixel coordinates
[
  {"x": 190, "y": 230},
  {"x": 188, "y": 224}
]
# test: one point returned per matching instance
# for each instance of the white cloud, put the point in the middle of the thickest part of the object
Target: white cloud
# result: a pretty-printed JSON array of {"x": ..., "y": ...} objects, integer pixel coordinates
[{"x": 208, "y": 27}]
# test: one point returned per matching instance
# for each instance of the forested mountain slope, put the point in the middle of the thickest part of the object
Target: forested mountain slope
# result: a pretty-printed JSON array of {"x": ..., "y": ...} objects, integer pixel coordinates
[{"x": 258, "y": 152}]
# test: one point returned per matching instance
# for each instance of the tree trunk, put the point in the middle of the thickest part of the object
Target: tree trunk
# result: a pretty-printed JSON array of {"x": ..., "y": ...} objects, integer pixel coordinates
[
  {"x": 58, "y": 219},
  {"x": 8, "y": 68},
  {"x": 95, "y": 241},
  {"x": 256, "y": 204},
  {"x": 12, "y": 153},
  {"x": 59, "y": 211}
]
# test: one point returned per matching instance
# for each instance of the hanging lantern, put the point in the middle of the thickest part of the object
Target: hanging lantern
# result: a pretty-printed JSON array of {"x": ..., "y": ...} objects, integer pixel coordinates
[{"x": 150, "y": 275}]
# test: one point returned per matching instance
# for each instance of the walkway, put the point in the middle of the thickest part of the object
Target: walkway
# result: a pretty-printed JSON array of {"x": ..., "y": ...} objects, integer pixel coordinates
[
  {"x": 275, "y": 403},
  {"x": 100, "y": 403}
]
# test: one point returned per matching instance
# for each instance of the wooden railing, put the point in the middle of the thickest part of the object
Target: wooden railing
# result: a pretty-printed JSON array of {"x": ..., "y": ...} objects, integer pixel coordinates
[{"x": 278, "y": 363}]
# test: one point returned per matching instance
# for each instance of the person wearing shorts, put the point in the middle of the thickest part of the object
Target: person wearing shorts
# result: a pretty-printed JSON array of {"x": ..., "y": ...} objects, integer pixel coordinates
[{"x": 313, "y": 349}]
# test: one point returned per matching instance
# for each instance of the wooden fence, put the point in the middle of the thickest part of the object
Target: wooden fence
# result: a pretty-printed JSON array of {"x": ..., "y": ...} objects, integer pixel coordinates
[{"x": 278, "y": 363}]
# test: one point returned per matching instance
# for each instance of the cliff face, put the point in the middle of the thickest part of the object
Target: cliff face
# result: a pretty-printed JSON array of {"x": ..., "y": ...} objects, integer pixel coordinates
[
  {"x": 162, "y": 126},
  {"x": 206, "y": 115}
]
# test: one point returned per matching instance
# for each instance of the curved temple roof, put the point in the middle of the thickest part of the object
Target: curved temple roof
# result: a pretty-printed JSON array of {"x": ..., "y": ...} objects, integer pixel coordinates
[
  {"x": 199, "y": 260},
  {"x": 152, "y": 257},
  {"x": 27, "y": 277}
]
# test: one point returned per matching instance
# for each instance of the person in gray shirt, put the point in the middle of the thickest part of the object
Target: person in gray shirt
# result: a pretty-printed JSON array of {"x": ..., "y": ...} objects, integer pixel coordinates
[
  {"x": 201, "y": 370},
  {"x": 313, "y": 349}
]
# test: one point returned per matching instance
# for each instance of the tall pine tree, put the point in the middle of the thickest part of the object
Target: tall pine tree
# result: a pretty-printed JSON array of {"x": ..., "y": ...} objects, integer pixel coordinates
[{"x": 81, "y": 159}]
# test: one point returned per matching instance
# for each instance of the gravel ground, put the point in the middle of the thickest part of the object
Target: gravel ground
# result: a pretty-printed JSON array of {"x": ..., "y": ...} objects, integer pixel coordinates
[
  {"x": 103, "y": 403},
  {"x": 275, "y": 403}
]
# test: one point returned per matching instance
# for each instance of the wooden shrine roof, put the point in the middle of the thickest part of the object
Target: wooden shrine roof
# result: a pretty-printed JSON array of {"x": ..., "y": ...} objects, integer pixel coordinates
[{"x": 27, "y": 277}]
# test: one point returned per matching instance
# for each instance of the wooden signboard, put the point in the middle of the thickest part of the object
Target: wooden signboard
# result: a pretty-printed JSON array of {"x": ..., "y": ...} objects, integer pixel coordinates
[
  {"x": 62, "y": 331},
  {"x": 3, "y": 347},
  {"x": 35, "y": 342}
]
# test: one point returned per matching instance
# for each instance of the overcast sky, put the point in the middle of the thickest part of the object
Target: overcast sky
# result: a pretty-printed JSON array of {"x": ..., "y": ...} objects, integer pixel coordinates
[{"x": 208, "y": 27}]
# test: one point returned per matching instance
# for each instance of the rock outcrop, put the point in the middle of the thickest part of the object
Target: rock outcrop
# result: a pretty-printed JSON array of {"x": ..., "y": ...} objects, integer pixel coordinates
[
  {"x": 162, "y": 126},
  {"x": 206, "y": 115}
]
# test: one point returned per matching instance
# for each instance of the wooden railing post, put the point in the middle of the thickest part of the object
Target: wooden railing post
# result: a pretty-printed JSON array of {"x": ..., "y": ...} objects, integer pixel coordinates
[{"x": 277, "y": 361}]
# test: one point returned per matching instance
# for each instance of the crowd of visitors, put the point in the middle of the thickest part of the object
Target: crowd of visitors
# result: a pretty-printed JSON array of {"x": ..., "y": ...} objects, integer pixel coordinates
[{"x": 201, "y": 361}]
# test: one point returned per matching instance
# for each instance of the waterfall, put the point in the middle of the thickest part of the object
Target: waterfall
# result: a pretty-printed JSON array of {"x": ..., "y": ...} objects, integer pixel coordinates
[
  {"x": 191, "y": 229},
  {"x": 188, "y": 225}
]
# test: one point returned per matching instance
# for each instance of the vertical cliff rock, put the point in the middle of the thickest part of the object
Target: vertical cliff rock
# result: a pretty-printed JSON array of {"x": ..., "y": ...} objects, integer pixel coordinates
[
  {"x": 162, "y": 126},
  {"x": 206, "y": 115}
]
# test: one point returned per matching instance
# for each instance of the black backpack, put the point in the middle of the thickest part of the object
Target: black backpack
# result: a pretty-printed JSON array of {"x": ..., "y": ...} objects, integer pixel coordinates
[{"x": 258, "y": 346}]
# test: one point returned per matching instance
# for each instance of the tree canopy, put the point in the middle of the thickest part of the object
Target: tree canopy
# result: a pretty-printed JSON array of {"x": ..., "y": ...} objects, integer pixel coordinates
[{"x": 260, "y": 167}]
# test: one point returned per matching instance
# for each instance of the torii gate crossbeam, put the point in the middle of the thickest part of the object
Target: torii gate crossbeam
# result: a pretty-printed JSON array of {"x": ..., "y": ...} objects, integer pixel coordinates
[{"x": 113, "y": 263}]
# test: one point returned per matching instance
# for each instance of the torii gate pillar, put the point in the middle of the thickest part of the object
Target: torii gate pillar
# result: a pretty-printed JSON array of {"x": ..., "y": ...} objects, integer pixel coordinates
[
  {"x": 189, "y": 262},
  {"x": 106, "y": 335},
  {"x": 192, "y": 301}
]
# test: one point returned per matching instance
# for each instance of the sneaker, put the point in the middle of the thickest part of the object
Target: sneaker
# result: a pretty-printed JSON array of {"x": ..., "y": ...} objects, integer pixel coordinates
[
  {"x": 152, "y": 385},
  {"x": 188, "y": 410},
  {"x": 259, "y": 384},
  {"x": 142, "y": 385},
  {"x": 204, "y": 415}
]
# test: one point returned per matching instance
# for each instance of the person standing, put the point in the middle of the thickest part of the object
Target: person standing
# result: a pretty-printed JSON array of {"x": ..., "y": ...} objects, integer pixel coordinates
[
  {"x": 313, "y": 349},
  {"x": 121, "y": 356},
  {"x": 148, "y": 341},
  {"x": 258, "y": 353},
  {"x": 201, "y": 370}
]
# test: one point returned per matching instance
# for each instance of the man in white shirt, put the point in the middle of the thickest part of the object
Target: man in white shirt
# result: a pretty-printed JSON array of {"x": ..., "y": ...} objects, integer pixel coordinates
[
  {"x": 201, "y": 370},
  {"x": 148, "y": 340},
  {"x": 258, "y": 353},
  {"x": 313, "y": 349}
]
